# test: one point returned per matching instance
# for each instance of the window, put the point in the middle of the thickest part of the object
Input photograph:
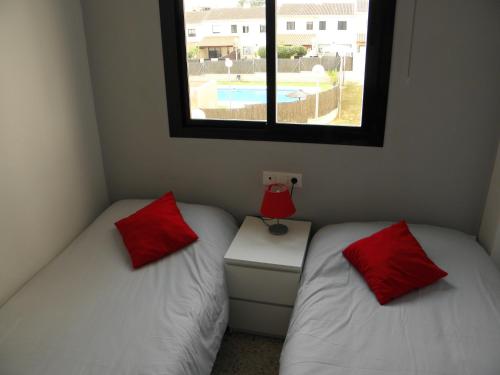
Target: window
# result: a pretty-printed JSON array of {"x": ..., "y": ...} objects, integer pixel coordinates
[
  {"x": 191, "y": 32},
  {"x": 276, "y": 91},
  {"x": 322, "y": 25},
  {"x": 290, "y": 25},
  {"x": 309, "y": 25},
  {"x": 216, "y": 29},
  {"x": 234, "y": 29},
  {"x": 214, "y": 52},
  {"x": 262, "y": 28},
  {"x": 246, "y": 29},
  {"x": 342, "y": 25}
]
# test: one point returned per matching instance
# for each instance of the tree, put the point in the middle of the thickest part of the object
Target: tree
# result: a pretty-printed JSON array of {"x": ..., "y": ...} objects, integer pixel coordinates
[{"x": 193, "y": 52}]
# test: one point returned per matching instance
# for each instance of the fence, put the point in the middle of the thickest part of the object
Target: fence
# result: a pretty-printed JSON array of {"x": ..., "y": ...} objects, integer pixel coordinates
[
  {"x": 300, "y": 112},
  {"x": 295, "y": 112},
  {"x": 196, "y": 67}
]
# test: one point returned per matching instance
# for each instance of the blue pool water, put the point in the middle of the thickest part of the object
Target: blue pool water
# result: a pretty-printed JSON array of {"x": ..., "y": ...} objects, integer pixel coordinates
[{"x": 252, "y": 95}]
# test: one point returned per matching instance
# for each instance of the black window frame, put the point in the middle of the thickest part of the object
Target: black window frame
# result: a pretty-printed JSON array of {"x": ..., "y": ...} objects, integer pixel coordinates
[
  {"x": 245, "y": 27},
  {"x": 290, "y": 25},
  {"x": 376, "y": 87},
  {"x": 234, "y": 29},
  {"x": 344, "y": 25}
]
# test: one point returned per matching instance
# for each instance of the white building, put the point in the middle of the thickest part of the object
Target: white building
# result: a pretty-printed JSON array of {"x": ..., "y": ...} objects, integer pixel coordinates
[
  {"x": 319, "y": 27},
  {"x": 226, "y": 32},
  {"x": 238, "y": 33}
]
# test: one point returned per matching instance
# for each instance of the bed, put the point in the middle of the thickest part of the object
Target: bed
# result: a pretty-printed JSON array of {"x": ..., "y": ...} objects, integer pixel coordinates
[
  {"x": 449, "y": 328},
  {"x": 88, "y": 313}
]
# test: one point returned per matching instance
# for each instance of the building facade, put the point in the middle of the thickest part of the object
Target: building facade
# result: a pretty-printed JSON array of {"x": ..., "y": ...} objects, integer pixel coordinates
[{"x": 238, "y": 33}]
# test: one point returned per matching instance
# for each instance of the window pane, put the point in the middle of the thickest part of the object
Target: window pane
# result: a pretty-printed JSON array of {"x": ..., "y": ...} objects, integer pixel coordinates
[
  {"x": 321, "y": 72},
  {"x": 226, "y": 59}
]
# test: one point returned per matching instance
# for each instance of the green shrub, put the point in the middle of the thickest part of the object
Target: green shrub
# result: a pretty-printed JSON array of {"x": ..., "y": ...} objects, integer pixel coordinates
[
  {"x": 299, "y": 51},
  {"x": 334, "y": 76},
  {"x": 286, "y": 52},
  {"x": 193, "y": 52},
  {"x": 262, "y": 52}
]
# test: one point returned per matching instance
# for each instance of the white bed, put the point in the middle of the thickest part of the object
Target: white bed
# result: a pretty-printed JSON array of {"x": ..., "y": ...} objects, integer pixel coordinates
[
  {"x": 89, "y": 313},
  {"x": 449, "y": 328}
]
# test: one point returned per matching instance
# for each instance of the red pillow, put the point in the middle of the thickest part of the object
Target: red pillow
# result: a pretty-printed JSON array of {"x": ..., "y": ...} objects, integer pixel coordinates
[
  {"x": 155, "y": 231},
  {"x": 392, "y": 262}
]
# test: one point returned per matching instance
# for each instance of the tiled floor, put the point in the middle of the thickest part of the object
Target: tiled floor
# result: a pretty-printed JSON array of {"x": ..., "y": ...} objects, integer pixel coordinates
[{"x": 243, "y": 354}]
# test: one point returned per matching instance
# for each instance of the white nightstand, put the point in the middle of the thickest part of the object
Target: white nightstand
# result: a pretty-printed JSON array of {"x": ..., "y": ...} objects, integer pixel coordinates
[{"x": 263, "y": 274}]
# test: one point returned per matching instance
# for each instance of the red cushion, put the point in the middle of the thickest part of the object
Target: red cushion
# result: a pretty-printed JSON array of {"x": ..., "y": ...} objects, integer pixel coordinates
[
  {"x": 392, "y": 262},
  {"x": 155, "y": 231}
]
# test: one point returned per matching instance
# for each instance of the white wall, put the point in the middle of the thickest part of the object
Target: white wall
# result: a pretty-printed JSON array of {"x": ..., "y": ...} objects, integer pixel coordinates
[
  {"x": 51, "y": 176},
  {"x": 330, "y": 35},
  {"x": 441, "y": 134},
  {"x": 489, "y": 234}
]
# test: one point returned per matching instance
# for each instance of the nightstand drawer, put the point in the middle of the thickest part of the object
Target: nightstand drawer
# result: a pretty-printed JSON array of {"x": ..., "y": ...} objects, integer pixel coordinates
[
  {"x": 262, "y": 285},
  {"x": 259, "y": 318}
]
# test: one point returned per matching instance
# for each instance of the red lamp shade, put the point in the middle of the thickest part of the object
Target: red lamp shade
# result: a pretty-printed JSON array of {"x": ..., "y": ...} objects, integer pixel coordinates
[{"x": 277, "y": 202}]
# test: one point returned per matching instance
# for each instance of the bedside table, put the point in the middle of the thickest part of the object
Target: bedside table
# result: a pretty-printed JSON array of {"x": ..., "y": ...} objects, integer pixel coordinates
[{"x": 263, "y": 275}]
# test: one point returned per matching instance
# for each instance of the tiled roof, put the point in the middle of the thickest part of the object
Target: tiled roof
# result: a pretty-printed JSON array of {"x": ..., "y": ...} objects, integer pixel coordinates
[
  {"x": 219, "y": 41},
  {"x": 295, "y": 39},
  {"x": 304, "y": 9},
  {"x": 325, "y": 9},
  {"x": 236, "y": 13},
  {"x": 362, "y": 5},
  {"x": 195, "y": 17},
  {"x": 228, "y": 14}
]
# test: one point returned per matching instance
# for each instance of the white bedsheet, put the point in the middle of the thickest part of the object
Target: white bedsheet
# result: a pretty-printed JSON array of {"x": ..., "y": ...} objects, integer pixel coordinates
[
  {"x": 449, "y": 328},
  {"x": 89, "y": 313}
]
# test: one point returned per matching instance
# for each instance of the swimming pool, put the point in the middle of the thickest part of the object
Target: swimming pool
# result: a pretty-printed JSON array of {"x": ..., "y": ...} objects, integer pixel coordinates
[{"x": 252, "y": 95}]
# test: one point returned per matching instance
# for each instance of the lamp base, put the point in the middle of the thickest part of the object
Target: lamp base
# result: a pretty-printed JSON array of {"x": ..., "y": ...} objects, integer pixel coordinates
[{"x": 278, "y": 229}]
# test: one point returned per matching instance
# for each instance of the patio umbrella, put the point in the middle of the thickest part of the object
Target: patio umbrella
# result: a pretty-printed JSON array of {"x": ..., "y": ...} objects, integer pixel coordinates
[{"x": 299, "y": 94}]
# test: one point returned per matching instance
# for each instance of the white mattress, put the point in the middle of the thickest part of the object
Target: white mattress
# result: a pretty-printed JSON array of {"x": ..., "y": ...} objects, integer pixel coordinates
[
  {"x": 89, "y": 313},
  {"x": 449, "y": 328}
]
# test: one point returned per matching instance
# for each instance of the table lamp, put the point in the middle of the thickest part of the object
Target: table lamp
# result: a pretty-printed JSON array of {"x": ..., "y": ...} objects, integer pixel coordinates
[{"x": 277, "y": 204}]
